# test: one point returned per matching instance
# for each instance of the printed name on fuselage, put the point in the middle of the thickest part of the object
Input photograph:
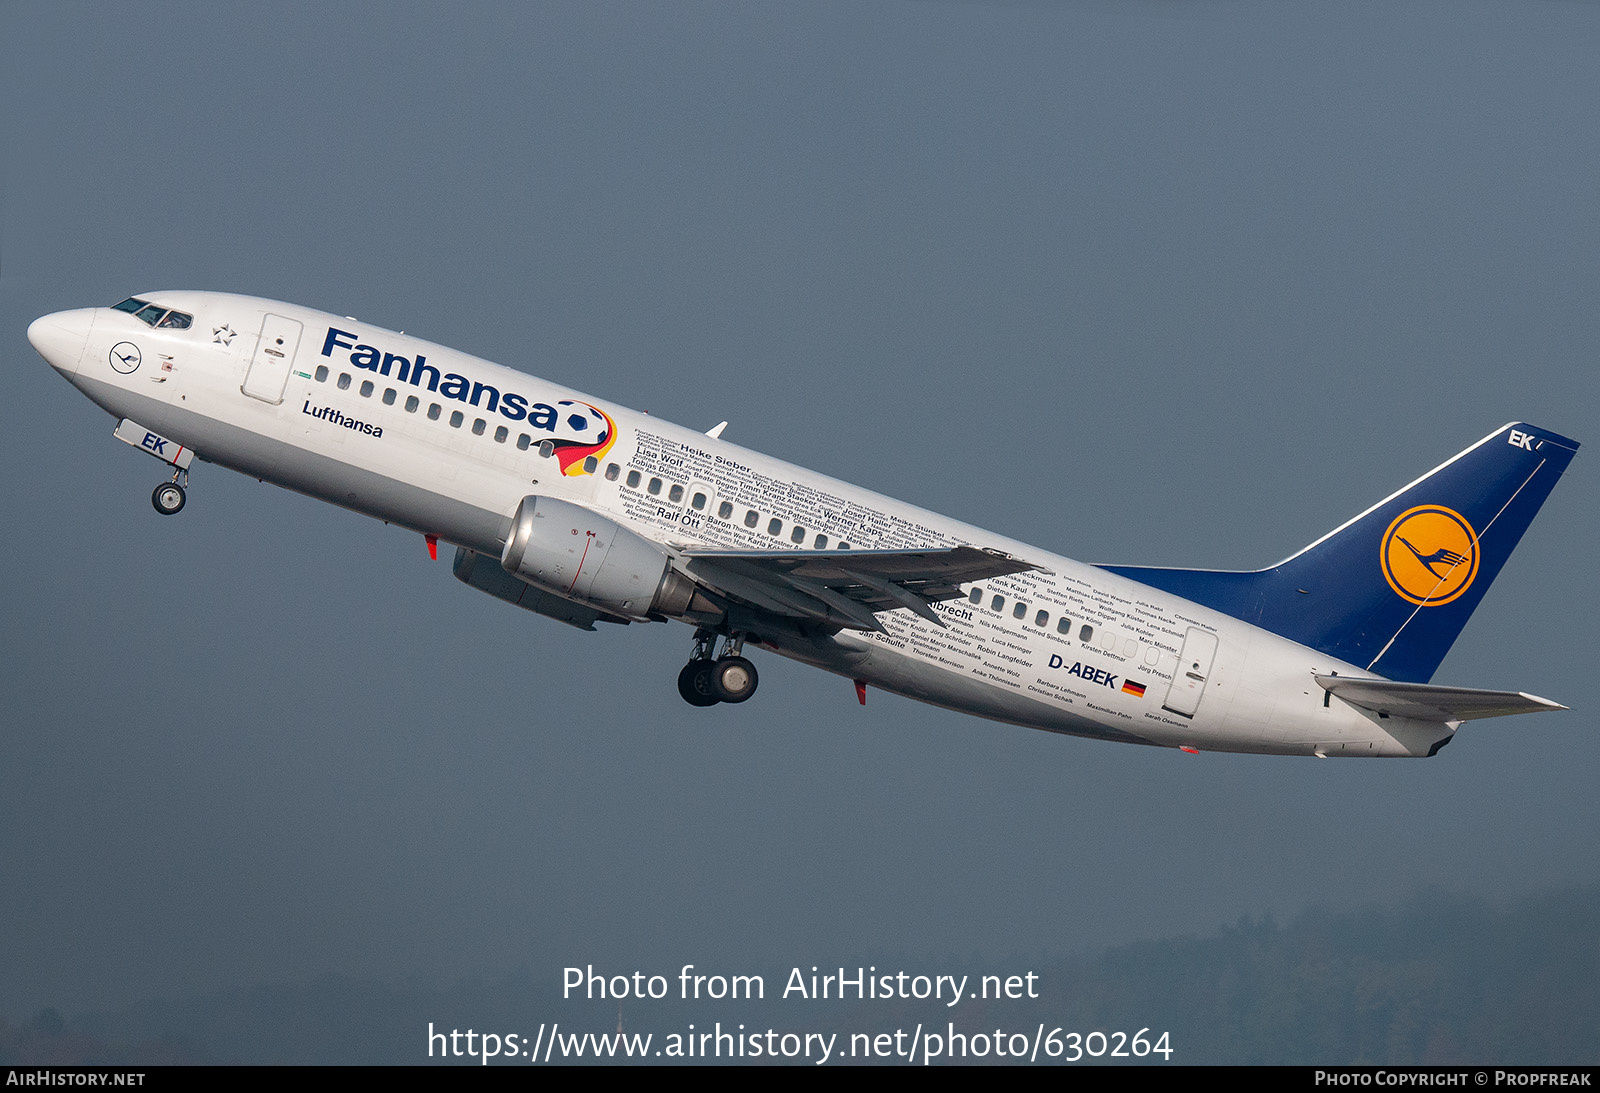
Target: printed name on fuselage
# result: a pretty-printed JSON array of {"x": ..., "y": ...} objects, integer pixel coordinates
[{"x": 418, "y": 373}]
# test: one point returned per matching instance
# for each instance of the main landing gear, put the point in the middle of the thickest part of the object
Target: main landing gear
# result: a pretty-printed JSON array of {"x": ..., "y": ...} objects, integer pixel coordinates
[
  {"x": 169, "y": 497},
  {"x": 728, "y": 678}
]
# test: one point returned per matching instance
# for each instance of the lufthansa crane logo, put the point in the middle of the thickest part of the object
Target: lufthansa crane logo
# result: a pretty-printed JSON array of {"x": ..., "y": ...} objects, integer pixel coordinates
[
  {"x": 1429, "y": 555},
  {"x": 125, "y": 357}
]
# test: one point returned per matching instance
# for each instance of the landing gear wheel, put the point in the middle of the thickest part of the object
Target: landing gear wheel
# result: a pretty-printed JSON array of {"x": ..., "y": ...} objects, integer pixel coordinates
[
  {"x": 169, "y": 498},
  {"x": 694, "y": 683},
  {"x": 734, "y": 678}
]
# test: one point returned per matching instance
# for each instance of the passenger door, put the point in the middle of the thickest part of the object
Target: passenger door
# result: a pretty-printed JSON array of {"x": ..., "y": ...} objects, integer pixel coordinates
[
  {"x": 274, "y": 359},
  {"x": 1194, "y": 668}
]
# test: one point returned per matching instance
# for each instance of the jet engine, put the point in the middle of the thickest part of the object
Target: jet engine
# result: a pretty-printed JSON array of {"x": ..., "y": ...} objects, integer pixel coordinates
[
  {"x": 483, "y": 572},
  {"x": 580, "y": 555}
]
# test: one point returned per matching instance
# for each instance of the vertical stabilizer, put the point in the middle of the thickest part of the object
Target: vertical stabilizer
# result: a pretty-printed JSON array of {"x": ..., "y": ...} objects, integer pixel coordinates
[{"x": 1391, "y": 589}]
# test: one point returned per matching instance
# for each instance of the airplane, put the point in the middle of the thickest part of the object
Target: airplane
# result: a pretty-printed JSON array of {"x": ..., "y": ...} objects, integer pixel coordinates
[{"x": 584, "y": 511}]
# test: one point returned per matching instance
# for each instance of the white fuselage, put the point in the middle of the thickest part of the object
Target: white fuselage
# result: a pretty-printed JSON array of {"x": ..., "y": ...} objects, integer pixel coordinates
[{"x": 1130, "y": 662}]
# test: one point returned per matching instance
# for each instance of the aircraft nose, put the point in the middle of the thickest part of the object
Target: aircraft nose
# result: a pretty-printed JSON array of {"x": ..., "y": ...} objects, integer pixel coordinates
[{"x": 60, "y": 337}]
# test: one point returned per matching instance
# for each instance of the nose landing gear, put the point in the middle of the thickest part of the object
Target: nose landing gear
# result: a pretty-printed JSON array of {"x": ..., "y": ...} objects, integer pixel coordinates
[
  {"x": 728, "y": 678},
  {"x": 170, "y": 497}
]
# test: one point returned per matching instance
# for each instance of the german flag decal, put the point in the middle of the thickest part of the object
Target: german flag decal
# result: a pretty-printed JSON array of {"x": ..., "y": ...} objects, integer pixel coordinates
[{"x": 1129, "y": 687}]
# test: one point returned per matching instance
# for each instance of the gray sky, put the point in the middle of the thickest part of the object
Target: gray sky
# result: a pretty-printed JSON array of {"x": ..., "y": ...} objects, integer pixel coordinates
[{"x": 1141, "y": 282}]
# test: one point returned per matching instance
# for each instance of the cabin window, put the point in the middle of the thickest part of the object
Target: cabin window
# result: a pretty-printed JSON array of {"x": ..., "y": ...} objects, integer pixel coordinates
[
  {"x": 798, "y": 535},
  {"x": 1064, "y": 626},
  {"x": 1020, "y": 611},
  {"x": 1042, "y": 619},
  {"x": 433, "y": 411},
  {"x": 590, "y": 463},
  {"x": 654, "y": 489},
  {"x": 322, "y": 373},
  {"x": 344, "y": 381},
  {"x": 547, "y": 448},
  {"x": 752, "y": 518},
  {"x": 612, "y": 470},
  {"x": 524, "y": 441},
  {"x": 698, "y": 501},
  {"x": 633, "y": 480},
  {"x": 844, "y": 546},
  {"x": 997, "y": 604},
  {"x": 774, "y": 526},
  {"x": 456, "y": 419},
  {"x": 675, "y": 494},
  {"x": 366, "y": 388},
  {"x": 478, "y": 426},
  {"x": 412, "y": 402},
  {"x": 500, "y": 434},
  {"x": 975, "y": 596},
  {"x": 821, "y": 542},
  {"x": 725, "y": 510},
  {"x": 1086, "y": 634},
  {"x": 389, "y": 396}
]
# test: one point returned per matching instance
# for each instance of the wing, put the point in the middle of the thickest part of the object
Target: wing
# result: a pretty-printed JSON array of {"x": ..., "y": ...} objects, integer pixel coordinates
[
  {"x": 847, "y": 587},
  {"x": 1430, "y": 703}
]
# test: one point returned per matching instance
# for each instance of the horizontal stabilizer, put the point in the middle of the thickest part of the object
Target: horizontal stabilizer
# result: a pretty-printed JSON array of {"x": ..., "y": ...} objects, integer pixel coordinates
[
  {"x": 847, "y": 587},
  {"x": 1429, "y": 703}
]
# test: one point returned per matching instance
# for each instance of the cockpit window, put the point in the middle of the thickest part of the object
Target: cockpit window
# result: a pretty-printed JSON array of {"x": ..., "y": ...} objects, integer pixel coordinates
[{"x": 155, "y": 314}]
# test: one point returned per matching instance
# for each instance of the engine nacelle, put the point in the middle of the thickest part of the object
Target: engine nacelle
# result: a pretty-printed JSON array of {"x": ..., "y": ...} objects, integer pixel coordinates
[
  {"x": 483, "y": 572},
  {"x": 583, "y": 556}
]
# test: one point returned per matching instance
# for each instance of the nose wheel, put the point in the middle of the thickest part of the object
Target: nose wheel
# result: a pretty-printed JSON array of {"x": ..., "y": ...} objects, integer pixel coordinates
[
  {"x": 705, "y": 681},
  {"x": 170, "y": 497}
]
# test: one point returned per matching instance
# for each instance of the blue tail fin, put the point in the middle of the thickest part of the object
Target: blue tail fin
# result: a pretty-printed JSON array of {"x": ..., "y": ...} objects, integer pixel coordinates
[{"x": 1391, "y": 589}]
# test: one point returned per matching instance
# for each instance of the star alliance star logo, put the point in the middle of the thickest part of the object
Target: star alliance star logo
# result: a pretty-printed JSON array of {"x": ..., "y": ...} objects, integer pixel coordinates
[{"x": 223, "y": 335}]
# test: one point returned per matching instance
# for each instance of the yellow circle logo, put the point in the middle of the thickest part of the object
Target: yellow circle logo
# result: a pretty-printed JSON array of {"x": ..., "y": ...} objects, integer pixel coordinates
[{"x": 1429, "y": 555}]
